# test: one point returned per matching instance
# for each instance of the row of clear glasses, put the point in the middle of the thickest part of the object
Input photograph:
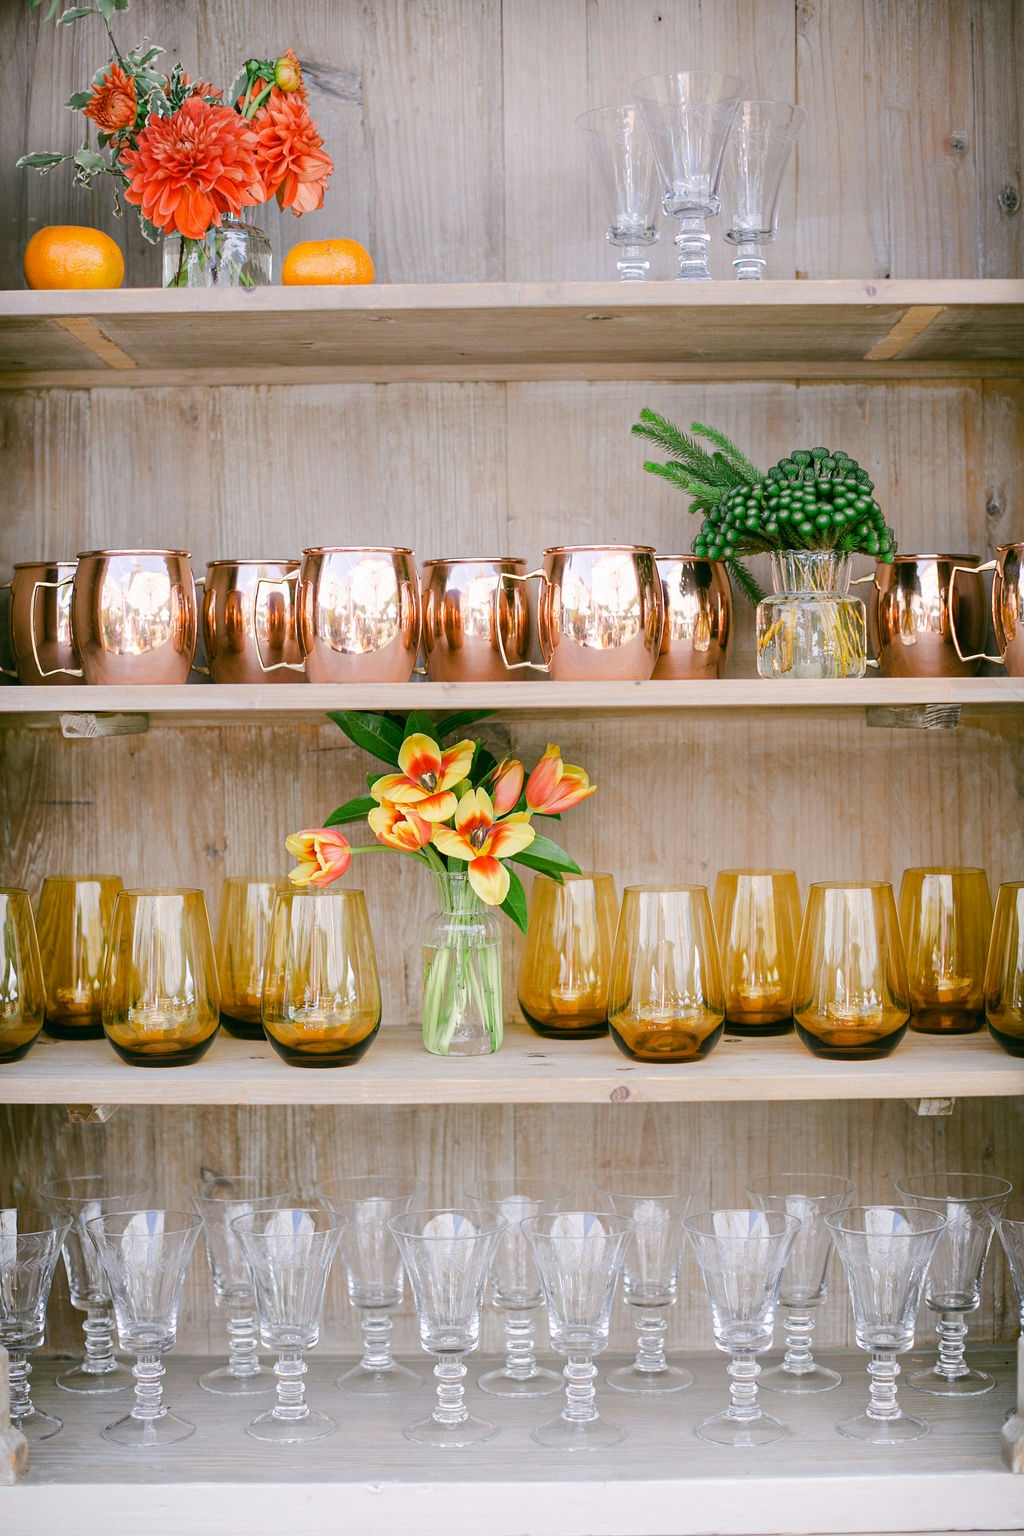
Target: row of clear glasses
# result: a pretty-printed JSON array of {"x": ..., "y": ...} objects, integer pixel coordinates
[{"x": 684, "y": 134}]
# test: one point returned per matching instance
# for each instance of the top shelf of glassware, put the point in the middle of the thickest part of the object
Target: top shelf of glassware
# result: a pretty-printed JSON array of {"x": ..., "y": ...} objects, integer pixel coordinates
[{"x": 466, "y": 331}]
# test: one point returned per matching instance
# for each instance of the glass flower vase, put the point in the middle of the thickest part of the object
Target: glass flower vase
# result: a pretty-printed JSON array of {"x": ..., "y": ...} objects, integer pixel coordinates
[
  {"x": 809, "y": 627},
  {"x": 232, "y": 254},
  {"x": 462, "y": 1002}
]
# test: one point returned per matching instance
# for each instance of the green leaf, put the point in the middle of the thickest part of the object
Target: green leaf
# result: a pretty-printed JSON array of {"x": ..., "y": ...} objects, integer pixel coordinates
[
  {"x": 150, "y": 231},
  {"x": 376, "y": 734},
  {"x": 545, "y": 855},
  {"x": 75, "y": 14},
  {"x": 417, "y": 723},
  {"x": 514, "y": 905},
  {"x": 484, "y": 762},
  {"x": 352, "y": 810},
  {"x": 89, "y": 160},
  {"x": 460, "y": 719},
  {"x": 106, "y": 9},
  {"x": 79, "y": 100},
  {"x": 40, "y": 162}
]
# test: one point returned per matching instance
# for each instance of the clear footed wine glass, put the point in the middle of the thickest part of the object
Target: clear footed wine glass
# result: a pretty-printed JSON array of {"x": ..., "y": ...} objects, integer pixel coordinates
[
  {"x": 579, "y": 1256},
  {"x": 810, "y": 1197},
  {"x": 742, "y": 1255},
  {"x": 650, "y": 1279},
  {"x": 30, "y": 1244},
  {"x": 756, "y": 152},
  {"x": 619, "y": 148},
  {"x": 885, "y": 1252}
]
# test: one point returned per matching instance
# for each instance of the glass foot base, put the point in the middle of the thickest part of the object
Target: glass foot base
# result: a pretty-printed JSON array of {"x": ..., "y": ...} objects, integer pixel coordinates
[
  {"x": 883, "y": 1431},
  {"x": 225, "y": 1384},
  {"x": 148, "y": 1434},
  {"x": 973, "y": 1384},
  {"x": 80, "y": 1380},
  {"x": 628, "y": 1379},
  {"x": 430, "y": 1431},
  {"x": 562, "y": 1434},
  {"x": 38, "y": 1426},
  {"x": 722, "y": 1429},
  {"x": 313, "y": 1426},
  {"x": 397, "y": 1378},
  {"x": 542, "y": 1383},
  {"x": 774, "y": 1378}
]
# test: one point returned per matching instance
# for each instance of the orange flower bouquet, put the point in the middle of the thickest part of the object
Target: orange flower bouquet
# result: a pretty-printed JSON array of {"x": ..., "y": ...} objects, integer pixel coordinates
[
  {"x": 188, "y": 159},
  {"x": 466, "y": 816}
]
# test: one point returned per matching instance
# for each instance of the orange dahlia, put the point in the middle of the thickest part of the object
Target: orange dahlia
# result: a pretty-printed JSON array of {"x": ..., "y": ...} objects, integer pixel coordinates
[
  {"x": 288, "y": 74},
  {"x": 193, "y": 166},
  {"x": 290, "y": 153},
  {"x": 114, "y": 104}
]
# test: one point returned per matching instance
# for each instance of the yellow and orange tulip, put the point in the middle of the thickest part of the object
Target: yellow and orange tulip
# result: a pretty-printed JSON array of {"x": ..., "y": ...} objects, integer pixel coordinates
[
  {"x": 427, "y": 778},
  {"x": 482, "y": 842},
  {"x": 554, "y": 786},
  {"x": 508, "y": 785},
  {"x": 325, "y": 855},
  {"x": 400, "y": 826}
]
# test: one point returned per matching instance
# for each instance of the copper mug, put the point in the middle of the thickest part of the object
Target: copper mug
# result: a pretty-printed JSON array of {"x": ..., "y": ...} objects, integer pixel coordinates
[
  {"x": 600, "y": 613},
  {"x": 922, "y": 620},
  {"x": 42, "y": 644},
  {"x": 1007, "y": 607},
  {"x": 133, "y": 615},
  {"x": 698, "y": 617},
  {"x": 465, "y": 605},
  {"x": 358, "y": 614},
  {"x": 248, "y": 621}
]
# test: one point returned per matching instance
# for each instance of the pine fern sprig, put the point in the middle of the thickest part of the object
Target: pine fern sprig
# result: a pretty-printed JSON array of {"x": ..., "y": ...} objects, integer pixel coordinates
[
  {"x": 676, "y": 444},
  {"x": 746, "y": 583},
  {"x": 735, "y": 456}
]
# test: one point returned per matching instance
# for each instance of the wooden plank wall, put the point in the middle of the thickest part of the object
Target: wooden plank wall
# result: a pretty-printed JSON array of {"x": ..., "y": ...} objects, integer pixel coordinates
[{"x": 451, "y": 123}]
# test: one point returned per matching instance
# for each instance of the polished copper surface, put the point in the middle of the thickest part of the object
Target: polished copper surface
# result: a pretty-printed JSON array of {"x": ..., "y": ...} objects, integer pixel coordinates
[
  {"x": 465, "y": 602},
  {"x": 1008, "y": 606},
  {"x": 133, "y": 615},
  {"x": 918, "y": 615},
  {"x": 40, "y": 623},
  {"x": 358, "y": 614},
  {"x": 698, "y": 617},
  {"x": 248, "y": 619}
]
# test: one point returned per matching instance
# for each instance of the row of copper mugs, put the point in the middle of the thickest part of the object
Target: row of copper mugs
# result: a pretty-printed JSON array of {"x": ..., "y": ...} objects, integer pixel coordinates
[{"x": 361, "y": 615}]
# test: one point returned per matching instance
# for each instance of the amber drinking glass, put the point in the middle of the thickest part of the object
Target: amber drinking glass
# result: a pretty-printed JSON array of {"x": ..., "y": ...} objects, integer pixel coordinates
[
  {"x": 73, "y": 921},
  {"x": 757, "y": 920},
  {"x": 563, "y": 984},
  {"x": 666, "y": 1000},
  {"x": 1004, "y": 970},
  {"x": 851, "y": 997},
  {"x": 243, "y": 928},
  {"x": 161, "y": 1001},
  {"x": 321, "y": 992},
  {"x": 946, "y": 921},
  {"x": 22, "y": 1001}
]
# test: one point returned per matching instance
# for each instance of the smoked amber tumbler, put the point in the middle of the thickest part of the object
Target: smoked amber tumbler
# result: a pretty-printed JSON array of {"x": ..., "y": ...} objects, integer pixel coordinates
[
  {"x": 946, "y": 922},
  {"x": 851, "y": 996},
  {"x": 666, "y": 1000},
  {"x": 243, "y": 929},
  {"x": 161, "y": 1001},
  {"x": 757, "y": 920},
  {"x": 73, "y": 921},
  {"x": 563, "y": 984},
  {"x": 1004, "y": 973},
  {"x": 321, "y": 991},
  {"x": 21, "y": 976}
]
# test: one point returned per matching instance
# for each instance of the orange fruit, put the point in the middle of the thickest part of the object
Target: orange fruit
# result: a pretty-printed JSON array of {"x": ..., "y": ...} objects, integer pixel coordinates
[
  {"x": 327, "y": 261},
  {"x": 73, "y": 256}
]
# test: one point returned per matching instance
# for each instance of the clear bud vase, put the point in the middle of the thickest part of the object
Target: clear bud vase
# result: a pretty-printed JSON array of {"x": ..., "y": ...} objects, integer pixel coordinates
[
  {"x": 232, "y": 254},
  {"x": 462, "y": 1001},
  {"x": 809, "y": 626}
]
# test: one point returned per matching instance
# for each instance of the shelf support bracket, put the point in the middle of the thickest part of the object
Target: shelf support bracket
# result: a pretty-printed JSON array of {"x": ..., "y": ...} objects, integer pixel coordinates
[
  {"x": 932, "y": 1106},
  {"x": 89, "y": 1114}
]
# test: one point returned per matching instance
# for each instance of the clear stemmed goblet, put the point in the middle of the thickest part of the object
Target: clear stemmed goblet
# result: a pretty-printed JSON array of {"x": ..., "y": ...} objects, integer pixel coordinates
[
  {"x": 448, "y": 1255},
  {"x": 742, "y": 1255},
  {"x": 78, "y": 1199},
  {"x": 620, "y": 153},
  {"x": 579, "y": 1256},
  {"x": 217, "y": 1199},
  {"x": 515, "y": 1284},
  {"x": 885, "y": 1252},
  {"x": 757, "y": 149},
  {"x": 971, "y": 1203},
  {"x": 650, "y": 1279},
  {"x": 374, "y": 1275},
  {"x": 810, "y": 1197},
  {"x": 289, "y": 1250},
  {"x": 145, "y": 1255},
  {"x": 1010, "y": 1227},
  {"x": 30, "y": 1244},
  {"x": 688, "y": 115}
]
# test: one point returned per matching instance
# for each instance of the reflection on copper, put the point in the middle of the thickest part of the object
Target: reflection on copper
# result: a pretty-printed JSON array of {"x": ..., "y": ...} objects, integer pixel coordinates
[
  {"x": 1008, "y": 606},
  {"x": 698, "y": 617},
  {"x": 465, "y": 603},
  {"x": 133, "y": 615},
  {"x": 40, "y": 623},
  {"x": 358, "y": 614},
  {"x": 913, "y": 606},
  {"x": 248, "y": 619}
]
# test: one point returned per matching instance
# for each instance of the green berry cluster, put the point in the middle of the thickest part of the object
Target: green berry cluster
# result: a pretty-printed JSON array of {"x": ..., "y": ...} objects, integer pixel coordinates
[{"x": 814, "y": 499}]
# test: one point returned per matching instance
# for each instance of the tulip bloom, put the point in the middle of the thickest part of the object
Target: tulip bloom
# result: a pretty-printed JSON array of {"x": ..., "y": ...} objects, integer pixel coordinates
[
  {"x": 554, "y": 786},
  {"x": 427, "y": 778},
  {"x": 324, "y": 853},
  {"x": 483, "y": 842},
  {"x": 508, "y": 785},
  {"x": 400, "y": 827}
]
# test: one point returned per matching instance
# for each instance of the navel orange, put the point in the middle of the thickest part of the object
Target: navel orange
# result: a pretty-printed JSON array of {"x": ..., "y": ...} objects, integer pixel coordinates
[
  {"x": 327, "y": 261},
  {"x": 73, "y": 256}
]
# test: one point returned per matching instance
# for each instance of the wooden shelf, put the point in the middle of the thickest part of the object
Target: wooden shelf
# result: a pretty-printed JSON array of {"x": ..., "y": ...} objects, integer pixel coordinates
[
  {"x": 248, "y": 704},
  {"x": 660, "y": 1481},
  {"x": 466, "y": 331},
  {"x": 527, "y": 1070}
]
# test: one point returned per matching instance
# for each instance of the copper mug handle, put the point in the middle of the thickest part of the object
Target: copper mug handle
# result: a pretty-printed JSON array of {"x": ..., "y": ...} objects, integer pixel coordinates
[
  {"x": 517, "y": 666},
  {"x": 67, "y": 671},
  {"x": 858, "y": 581},
  {"x": 200, "y": 581},
  {"x": 6, "y": 586},
  {"x": 969, "y": 570},
  {"x": 275, "y": 666}
]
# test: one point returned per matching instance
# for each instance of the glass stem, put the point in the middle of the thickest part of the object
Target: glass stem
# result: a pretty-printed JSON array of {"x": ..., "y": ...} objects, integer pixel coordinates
[
  {"x": 376, "y": 1328},
  {"x": 148, "y": 1403},
  {"x": 99, "y": 1342},
  {"x": 692, "y": 243},
  {"x": 743, "y": 1373},
  {"x": 650, "y": 1343},
  {"x": 952, "y": 1331},
  {"x": 748, "y": 262},
  {"x": 580, "y": 1393},
  {"x": 882, "y": 1373},
  {"x": 520, "y": 1360},
  {"x": 633, "y": 266},
  {"x": 450, "y": 1403},
  {"x": 243, "y": 1360},
  {"x": 799, "y": 1330},
  {"x": 290, "y": 1373},
  {"x": 21, "y": 1396}
]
